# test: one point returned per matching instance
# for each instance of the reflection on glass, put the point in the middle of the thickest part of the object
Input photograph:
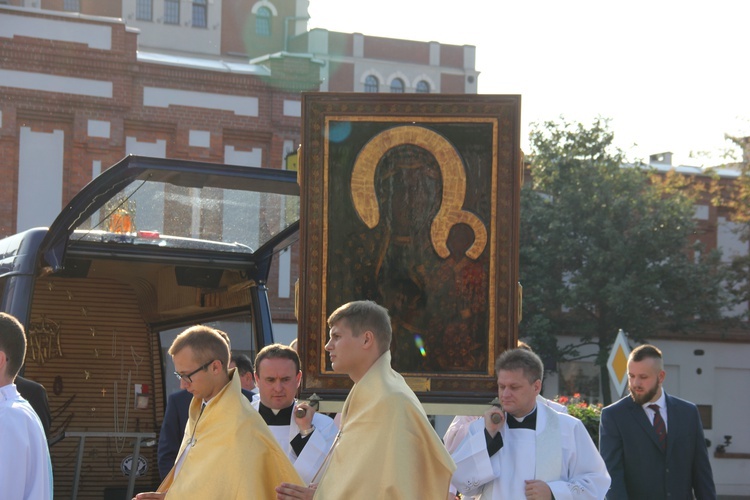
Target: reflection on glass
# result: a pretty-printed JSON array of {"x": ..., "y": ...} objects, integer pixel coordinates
[{"x": 157, "y": 213}]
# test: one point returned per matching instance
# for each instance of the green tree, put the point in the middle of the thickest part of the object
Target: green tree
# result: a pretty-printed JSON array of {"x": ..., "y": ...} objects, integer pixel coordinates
[
  {"x": 602, "y": 247},
  {"x": 736, "y": 197}
]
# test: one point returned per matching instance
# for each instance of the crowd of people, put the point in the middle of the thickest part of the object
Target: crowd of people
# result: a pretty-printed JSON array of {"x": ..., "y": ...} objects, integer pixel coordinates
[{"x": 229, "y": 435}]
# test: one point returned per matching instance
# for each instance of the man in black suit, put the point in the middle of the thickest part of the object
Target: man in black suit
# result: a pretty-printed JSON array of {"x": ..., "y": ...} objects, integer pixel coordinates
[
  {"x": 652, "y": 442},
  {"x": 173, "y": 428},
  {"x": 36, "y": 395}
]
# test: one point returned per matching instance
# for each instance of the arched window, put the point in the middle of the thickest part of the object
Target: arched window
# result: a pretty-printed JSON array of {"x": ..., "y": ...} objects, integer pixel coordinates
[
  {"x": 372, "y": 84},
  {"x": 397, "y": 86},
  {"x": 263, "y": 22},
  {"x": 423, "y": 87}
]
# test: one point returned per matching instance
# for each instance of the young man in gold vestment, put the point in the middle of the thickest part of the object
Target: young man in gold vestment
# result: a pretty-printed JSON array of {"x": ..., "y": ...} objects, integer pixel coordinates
[
  {"x": 386, "y": 447},
  {"x": 227, "y": 451}
]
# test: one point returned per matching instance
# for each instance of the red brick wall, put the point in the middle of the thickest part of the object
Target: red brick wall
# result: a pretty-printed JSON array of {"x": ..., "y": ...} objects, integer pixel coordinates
[
  {"x": 452, "y": 84},
  {"x": 452, "y": 56},
  {"x": 340, "y": 44},
  {"x": 8, "y": 169},
  {"x": 390, "y": 49},
  {"x": 126, "y": 113},
  {"x": 341, "y": 78}
]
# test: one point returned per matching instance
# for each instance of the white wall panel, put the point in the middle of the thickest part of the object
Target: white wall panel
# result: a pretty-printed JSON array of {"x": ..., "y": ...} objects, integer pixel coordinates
[
  {"x": 93, "y": 35},
  {"x": 54, "y": 83},
  {"x": 40, "y": 174},
  {"x": 164, "y": 97}
]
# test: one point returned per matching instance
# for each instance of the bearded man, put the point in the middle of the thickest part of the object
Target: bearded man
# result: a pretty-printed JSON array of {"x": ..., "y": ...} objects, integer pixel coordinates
[{"x": 652, "y": 442}]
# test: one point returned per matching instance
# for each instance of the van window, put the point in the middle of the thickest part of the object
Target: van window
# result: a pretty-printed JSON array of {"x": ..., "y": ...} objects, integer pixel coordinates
[{"x": 239, "y": 329}]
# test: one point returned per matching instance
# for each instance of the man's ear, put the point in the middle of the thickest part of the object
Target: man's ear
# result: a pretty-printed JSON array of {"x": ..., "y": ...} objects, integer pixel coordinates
[
  {"x": 3, "y": 364},
  {"x": 538, "y": 386},
  {"x": 368, "y": 341}
]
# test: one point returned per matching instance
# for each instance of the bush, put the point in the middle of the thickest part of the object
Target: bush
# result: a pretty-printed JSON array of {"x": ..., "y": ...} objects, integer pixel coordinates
[{"x": 586, "y": 413}]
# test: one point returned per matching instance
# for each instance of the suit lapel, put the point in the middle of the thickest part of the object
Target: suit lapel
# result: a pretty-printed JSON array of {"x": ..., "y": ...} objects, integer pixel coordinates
[
  {"x": 673, "y": 423},
  {"x": 639, "y": 415}
]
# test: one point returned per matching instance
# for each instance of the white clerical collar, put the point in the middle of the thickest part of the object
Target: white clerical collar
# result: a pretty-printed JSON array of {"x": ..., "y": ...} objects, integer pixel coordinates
[{"x": 520, "y": 419}]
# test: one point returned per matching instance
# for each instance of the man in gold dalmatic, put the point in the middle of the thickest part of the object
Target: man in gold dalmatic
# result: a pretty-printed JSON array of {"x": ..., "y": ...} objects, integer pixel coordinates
[
  {"x": 227, "y": 451},
  {"x": 386, "y": 447}
]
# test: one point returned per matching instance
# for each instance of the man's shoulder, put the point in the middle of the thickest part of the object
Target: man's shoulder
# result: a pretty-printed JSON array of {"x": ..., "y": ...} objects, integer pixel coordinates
[
  {"x": 181, "y": 396},
  {"x": 248, "y": 394},
  {"x": 679, "y": 403},
  {"x": 621, "y": 405},
  {"x": 18, "y": 414},
  {"x": 27, "y": 384}
]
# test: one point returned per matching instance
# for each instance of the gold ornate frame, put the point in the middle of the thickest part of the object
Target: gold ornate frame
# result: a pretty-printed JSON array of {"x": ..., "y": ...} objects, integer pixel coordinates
[{"x": 389, "y": 182}]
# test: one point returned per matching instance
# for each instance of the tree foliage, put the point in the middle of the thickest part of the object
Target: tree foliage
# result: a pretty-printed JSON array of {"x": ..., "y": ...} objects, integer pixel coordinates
[
  {"x": 736, "y": 197},
  {"x": 603, "y": 248}
]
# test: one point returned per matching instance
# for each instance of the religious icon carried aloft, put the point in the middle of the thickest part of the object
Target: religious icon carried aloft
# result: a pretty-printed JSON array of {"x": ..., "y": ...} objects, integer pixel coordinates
[{"x": 411, "y": 200}]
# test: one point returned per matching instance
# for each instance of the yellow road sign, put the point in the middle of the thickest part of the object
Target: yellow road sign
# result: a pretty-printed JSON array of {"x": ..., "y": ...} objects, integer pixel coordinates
[{"x": 617, "y": 364}]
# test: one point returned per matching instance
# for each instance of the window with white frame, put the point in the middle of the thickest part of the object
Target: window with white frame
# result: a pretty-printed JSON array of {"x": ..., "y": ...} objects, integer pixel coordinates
[
  {"x": 200, "y": 13},
  {"x": 422, "y": 87},
  {"x": 171, "y": 11},
  {"x": 372, "y": 84},
  {"x": 144, "y": 10},
  {"x": 263, "y": 22},
  {"x": 397, "y": 86},
  {"x": 72, "y": 5}
]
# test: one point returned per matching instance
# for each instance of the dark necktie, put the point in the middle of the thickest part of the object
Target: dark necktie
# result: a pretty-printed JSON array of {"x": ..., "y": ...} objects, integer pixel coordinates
[{"x": 659, "y": 427}]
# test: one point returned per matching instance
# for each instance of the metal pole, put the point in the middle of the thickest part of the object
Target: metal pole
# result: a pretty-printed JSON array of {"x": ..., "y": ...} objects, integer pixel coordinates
[
  {"x": 79, "y": 460},
  {"x": 134, "y": 467}
]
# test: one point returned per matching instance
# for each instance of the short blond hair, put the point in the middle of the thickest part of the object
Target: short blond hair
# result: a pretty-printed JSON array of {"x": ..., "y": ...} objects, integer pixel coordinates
[
  {"x": 206, "y": 343},
  {"x": 363, "y": 315}
]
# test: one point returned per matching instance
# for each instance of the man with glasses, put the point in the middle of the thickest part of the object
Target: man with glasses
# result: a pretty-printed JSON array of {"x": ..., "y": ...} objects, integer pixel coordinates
[
  {"x": 227, "y": 451},
  {"x": 175, "y": 420}
]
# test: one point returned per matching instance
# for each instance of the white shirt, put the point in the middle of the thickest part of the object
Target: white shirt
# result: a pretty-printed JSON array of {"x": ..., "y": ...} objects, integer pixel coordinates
[{"x": 25, "y": 466}]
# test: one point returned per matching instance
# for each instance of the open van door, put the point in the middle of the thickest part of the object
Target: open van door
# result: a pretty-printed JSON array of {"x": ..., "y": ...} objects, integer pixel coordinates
[{"x": 149, "y": 247}]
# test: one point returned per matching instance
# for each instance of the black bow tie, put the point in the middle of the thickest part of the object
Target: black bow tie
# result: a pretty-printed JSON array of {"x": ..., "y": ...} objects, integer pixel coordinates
[{"x": 528, "y": 422}]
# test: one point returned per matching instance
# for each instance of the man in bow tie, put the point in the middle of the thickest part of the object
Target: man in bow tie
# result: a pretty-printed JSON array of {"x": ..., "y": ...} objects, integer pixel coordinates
[{"x": 526, "y": 449}]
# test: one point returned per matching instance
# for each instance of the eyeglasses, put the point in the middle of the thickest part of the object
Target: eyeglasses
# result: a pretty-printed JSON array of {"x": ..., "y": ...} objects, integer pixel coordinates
[{"x": 187, "y": 377}]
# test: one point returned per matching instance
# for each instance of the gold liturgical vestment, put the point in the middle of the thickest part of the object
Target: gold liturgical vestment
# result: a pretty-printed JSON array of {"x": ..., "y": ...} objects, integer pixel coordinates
[
  {"x": 386, "y": 448},
  {"x": 233, "y": 454}
]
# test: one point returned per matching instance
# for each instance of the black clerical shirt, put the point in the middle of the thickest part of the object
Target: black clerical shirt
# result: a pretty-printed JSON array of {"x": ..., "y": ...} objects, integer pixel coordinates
[
  {"x": 494, "y": 444},
  {"x": 283, "y": 417}
]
